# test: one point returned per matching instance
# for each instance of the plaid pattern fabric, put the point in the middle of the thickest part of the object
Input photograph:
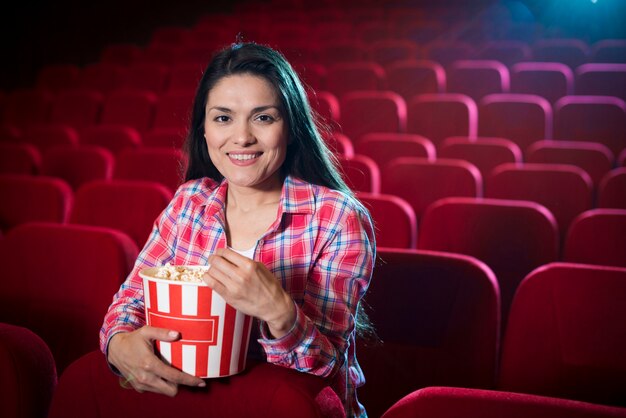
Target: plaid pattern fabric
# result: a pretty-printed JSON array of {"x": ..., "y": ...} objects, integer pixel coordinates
[{"x": 321, "y": 247}]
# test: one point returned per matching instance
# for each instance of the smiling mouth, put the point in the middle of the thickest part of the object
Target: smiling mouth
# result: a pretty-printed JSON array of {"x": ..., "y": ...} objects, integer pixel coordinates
[{"x": 244, "y": 157}]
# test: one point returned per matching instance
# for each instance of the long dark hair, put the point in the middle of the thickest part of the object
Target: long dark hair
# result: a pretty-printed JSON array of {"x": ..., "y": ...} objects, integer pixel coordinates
[{"x": 308, "y": 157}]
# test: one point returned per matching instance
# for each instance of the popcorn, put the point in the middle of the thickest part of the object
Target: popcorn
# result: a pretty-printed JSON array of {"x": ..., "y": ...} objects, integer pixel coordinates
[{"x": 181, "y": 273}]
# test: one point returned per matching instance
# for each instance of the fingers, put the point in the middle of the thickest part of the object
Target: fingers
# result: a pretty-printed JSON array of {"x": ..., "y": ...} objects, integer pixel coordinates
[{"x": 161, "y": 334}]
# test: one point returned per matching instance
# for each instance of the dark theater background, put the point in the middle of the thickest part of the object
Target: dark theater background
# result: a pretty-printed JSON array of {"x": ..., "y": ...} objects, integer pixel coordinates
[{"x": 487, "y": 138}]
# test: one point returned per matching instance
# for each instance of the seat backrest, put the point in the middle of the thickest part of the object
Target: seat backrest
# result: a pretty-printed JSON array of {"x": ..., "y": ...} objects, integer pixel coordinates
[
  {"x": 388, "y": 51},
  {"x": 78, "y": 165},
  {"x": 352, "y": 76},
  {"x": 339, "y": 144},
  {"x": 58, "y": 77},
  {"x": 364, "y": 112},
  {"x": 173, "y": 110},
  {"x": 77, "y": 108},
  {"x": 597, "y": 236},
  {"x": 103, "y": 76},
  {"x": 421, "y": 182},
  {"x": 107, "y": 203},
  {"x": 19, "y": 158},
  {"x": 164, "y": 138},
  {"x": 591, "y": 118},
  {"x": 565, "y": 190},
  {"x": 601, "y": 80},
  {"x": 62, "y": 281},
  {"x": 571, "y": 52},
  {"x": 550, "y": 80},
  {"x": 511, "y": 237},
  {"x": 577, "y": 312},
  {"x": 441, "y": 328},
  {"x": 115, "y": 138},
  {"x": 596, "y": 159},
  {"x": 440, "y": 116},
  {"x": 522, "y": 118},
  {"x": 361, "y": 173},
  {"x": 478, "y": 78},
  {"x": 122, "y": 53},
  {"x": 129, "y": 107},
  {"x": 147, "y": 76},
  {"x": 27, "y": 107},
  {"x": 508, "y": 52},
  {"x": 384, "y": 147},
  {"x": 411, "y": 77},
  {"x": 162, "y": 165},
  {"x": 45, "y": 136},
  {"x": 394, "y": 220},
  {"x": 485, "y": 153},
  {"x": 609, "y": 51},
  {"x": 28, "y": 377},
  {"x": 27, "y": 198},
  {"x": 612, "y": 189},
  {"x": 444, "y": 402},
  {"x": 326, "y": 105},
  {"x": 446, "y": 52}
]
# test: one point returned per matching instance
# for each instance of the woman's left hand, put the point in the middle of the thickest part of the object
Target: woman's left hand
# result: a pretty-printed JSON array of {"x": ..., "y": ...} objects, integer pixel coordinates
[{"x": 250, "y": 287}]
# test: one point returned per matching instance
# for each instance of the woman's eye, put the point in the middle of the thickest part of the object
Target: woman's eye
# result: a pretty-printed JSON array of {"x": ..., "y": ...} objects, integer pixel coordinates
[
  {"x": 265, "y": 118},
  {"x": 222, "y": 118}
]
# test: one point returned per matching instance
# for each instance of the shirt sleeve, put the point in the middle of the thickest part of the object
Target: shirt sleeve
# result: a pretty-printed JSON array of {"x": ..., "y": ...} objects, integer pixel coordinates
[
  {"x": 325, "y": 323},
  {"x": 126, "y": 312}
]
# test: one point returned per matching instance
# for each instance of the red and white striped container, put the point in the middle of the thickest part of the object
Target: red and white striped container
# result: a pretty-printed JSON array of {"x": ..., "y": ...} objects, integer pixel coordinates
[{"x": 214, "y": 335}]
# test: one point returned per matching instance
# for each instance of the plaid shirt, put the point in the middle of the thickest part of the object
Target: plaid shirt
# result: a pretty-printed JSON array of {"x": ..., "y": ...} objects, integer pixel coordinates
[{"x": 321, "y": 247}]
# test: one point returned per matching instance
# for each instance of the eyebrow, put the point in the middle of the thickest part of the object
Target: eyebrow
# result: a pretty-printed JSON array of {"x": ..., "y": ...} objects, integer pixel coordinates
[{"x": 255, "y": 110}]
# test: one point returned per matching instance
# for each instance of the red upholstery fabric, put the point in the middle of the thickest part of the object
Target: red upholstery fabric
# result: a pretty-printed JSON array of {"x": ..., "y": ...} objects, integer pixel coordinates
[
  {"x": 147, "y": 76},
  {"x": 601, "y": 80},
  {"x": 184, "y": 76},
  {"x": 550, "y": 80},
  {"x": 597, "y": 236},
  {"x": 127, "y": 205},
  {"x": 478, "y": 78},
  {"x": 327, "y": 106},
  {"x": 571, "y": 52},
  {"x": 485, "y": 153},
  {"x": 612, "y": 189},
  {"x": 173, "y": 110},
  {"x": 508, "y": 52},
  {"x": 19, "y": 158},
  {"x": 609, "y": 50},
  {"x": 62, "y": 281},
  {"x": 440, "y": 116},
  {"x": 77, "y": 108},
  {"x": 511, "y": 237},
  {"x": 28, "y": 198},
  {"x": 446, "y": 52},
  {"x": 450, "y": 402},
  {"x": 438, "y": 317},
  {"x": 90, "y": 389},
  {"x": 102, "y": 76},
  {"x": 394, "y": 220},
  {"x": 115, "y": 138},
  {"x": 339, "y": 144},
  {"x": 27, "y": 107},
  {"x": 345, "y": 77},
  {"x": 28, "y": 377},
  {"x": 162, "y": 165},
  {"x": 342, "y": 51},
  {"x": 164, "y": 137},
  {"x": 596, "y": 118},
  {"x": 78, "y": 165},
  {"x": 565, "y": 335},
  {"x": 360, "y": 173},
  {"x": 522, "y": 118},
  {"x": 596, "y": 159},
  {"x": 45, "y": 136},
  {"x": 129, "y": 107},
  {"x": 421, "y": 182},
  {"x": 387, "y": 51},
  {"x": 411, "y": 77},
  {"x": 384, "y": 147},
  {"x": 364, "y": 112},
  {"x": 565, "y": 190}
]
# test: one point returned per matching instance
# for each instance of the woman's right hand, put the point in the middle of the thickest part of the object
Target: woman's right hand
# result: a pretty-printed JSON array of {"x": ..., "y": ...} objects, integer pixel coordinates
[{"x": 132, "y": 353}]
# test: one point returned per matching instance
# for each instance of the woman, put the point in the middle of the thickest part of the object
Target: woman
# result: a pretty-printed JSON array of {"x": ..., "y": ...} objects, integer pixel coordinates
[{"x": 264, "y": 206}]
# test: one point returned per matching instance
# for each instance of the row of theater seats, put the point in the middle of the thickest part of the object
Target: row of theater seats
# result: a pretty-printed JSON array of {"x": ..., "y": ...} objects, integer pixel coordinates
[{"x": 564, "y": 338}]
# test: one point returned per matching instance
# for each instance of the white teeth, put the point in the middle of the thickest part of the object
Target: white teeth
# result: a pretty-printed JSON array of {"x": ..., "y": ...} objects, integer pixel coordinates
[{"x": 243, "y": 157}]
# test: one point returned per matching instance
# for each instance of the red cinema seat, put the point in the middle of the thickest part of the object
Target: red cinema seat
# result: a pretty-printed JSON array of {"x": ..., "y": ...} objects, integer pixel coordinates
[
  {"x": 591, "y": 118},
  {"x": 161, "y": 165},
  {"x": 27, "y": 198},
  {"x": 173, "y": 110},
  {"x": 346, "y": 77},
  {"x": 412, "y": 77},
  {"x": 478, "y": 78},
  {"x": 63, "y": 276},
  {"x": 28, "y": 377},
  {"x": 342, "y": 51},
  {"x": 363, "y": 112},
  {"x": 550, "y": 80},
  {"x": 565, "y": 190},
  {"x": 103, "y": 76},
  {"x": 27, "y": 107},
  {"x": 609, "y": 51},
  {"x": 327, "y": 106},
  {"x": 77, "y": 108},
  {"x": 160, "y": 55},
  {"x": 147, "y": 76},
  {"x": 447, "y": 402},
  {"x": 508, "y": 52},
  {"x": 394, "y": 220},
  {"x": 339, "y": 144},
  {"x": 384, "y": 147},
  {"x": 78, "y": 165},
  {"x": 164, "y": 138},
  {"x": 388, "y": 51},
  {"x": 360, "y": 173},
  {"x": 440, "y": 116},
  {"x": 596, "y": 159},
  {"x": 522, "y": 118},
  {"x": 115, "y": 138},
  {"x": 123, "y": 54},
  {"x": 601, "y": 80},
  {"x": 484, "y": 153},
  {"x": 9, "y": 133},
  {"x": 421, "y": 182},
  {"x": 107, "y": 203},
  {"x": 597, "y": 236},
  {"x": 185, "y": 76},
  {"x": 19, "y": 158},
  {"x": 58, "y": 77},
  {"x": 46, "y": 136},
  {"x": 577, "y": 311},
  {"x": 131, "y": 108},
  {"x": 571, "y": 52},
  {"x": 89, "y": 389},
  {"x": 612, "y": 189},
  {"x": 621, "y": 158},
  {"x": 438, "y": 317},
  {"x": 446, "y": 52},
  {"x": 511, "y": 237}
]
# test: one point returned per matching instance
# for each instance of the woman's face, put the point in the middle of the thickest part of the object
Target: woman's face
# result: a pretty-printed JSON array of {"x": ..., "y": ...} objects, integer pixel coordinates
[{"x": 246, "y": 134}]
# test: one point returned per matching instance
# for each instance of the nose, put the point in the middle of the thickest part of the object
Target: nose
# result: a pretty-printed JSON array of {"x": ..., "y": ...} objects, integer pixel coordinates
[{"x": 243, "y": 134}]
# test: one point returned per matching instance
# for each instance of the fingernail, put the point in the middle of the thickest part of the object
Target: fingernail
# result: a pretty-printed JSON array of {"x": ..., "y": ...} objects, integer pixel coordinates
[
  {"x": 173, "y": 334},
  {"x": 202, "y": 384}
]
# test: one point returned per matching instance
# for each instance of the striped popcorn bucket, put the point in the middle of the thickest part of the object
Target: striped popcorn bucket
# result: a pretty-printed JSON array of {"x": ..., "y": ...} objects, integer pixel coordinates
[{"x": 214, "y": 335}]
